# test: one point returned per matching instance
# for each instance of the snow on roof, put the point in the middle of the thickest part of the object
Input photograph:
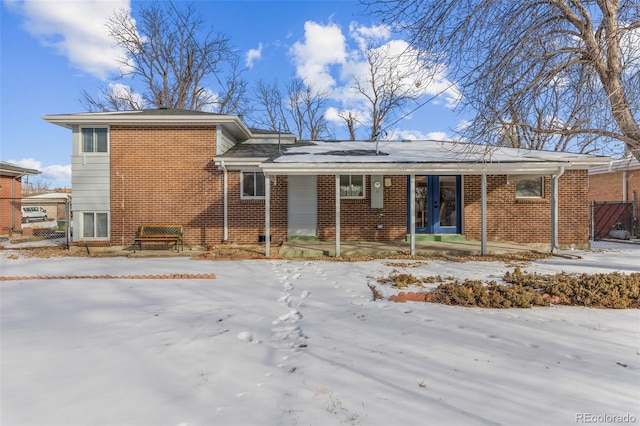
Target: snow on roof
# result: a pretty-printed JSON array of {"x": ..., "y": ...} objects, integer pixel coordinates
[{"x": 410, "y": 156}]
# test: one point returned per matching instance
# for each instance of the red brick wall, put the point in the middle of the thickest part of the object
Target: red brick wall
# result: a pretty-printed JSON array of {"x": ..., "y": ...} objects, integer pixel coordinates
[
  {"x": 246, "y": 217},
  {"x": 358, "y": 221},
  {"x": 165, "y": 175},
  {"x": 609, "y": 186},
  {"x": 528, "y": 220},
  {"x": 9, "y": 207}
]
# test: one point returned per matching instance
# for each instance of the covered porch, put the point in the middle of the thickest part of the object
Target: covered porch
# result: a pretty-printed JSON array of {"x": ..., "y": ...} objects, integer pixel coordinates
[{"x": 413, "y": 159}]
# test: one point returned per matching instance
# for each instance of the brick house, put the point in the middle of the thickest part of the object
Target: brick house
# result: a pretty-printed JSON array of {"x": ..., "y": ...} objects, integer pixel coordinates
[
  {"x": 11, "y": 196},
  {"x": 225, "y": 182},
  {"x": 617, "y": 181}
]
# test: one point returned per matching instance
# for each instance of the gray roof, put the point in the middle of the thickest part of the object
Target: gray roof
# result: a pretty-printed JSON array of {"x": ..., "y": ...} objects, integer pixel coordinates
[
  {"x": 9, "y": 169},
  {"x": 260, "y": 150}
]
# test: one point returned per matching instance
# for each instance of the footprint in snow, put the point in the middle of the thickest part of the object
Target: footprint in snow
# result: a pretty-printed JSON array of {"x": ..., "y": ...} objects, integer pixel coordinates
[
  {"x": 284, "y": 333},
  {"x": 292, "y": 315},
  {"x": 286, "y": 299},
  {"x": 248, "y": 337}
]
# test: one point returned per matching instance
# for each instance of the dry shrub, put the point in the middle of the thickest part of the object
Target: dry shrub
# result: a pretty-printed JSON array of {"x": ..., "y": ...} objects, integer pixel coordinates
[
  {"x": 487, "y": 295},
  {"x": 614, "y": 290},
  {"x": 400, "y": 280}
]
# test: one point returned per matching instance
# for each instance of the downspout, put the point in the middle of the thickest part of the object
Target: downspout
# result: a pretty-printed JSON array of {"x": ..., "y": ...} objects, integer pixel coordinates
[
  {"x": 624, "y": 186},
  {"x": 554, "y": 209},
  {"x": 225, "y": 227},
  {"x": 267, "y": 215},
  {"x": 483, "y": 214},
  {"x": 13, "y": 199}
]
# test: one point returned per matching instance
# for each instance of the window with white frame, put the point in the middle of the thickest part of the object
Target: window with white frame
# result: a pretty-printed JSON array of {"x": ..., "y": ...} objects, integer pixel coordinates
[
  {"x": 352, "y": 186},
  {"x": 252, "y": 185},
  {"x": 95, "y": 225},
  {"x": 532, "y": 187},
  {"x": 94, "y": 139}
]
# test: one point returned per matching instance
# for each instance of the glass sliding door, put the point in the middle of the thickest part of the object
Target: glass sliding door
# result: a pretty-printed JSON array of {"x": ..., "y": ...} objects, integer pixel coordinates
[{"x": 437, "y": 201}]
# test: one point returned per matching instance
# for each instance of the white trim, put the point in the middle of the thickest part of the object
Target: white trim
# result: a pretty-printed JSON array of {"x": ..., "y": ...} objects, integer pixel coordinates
[
  {"x": 532, "y": 168},
  {"x": 337, "y": 202},
  {"x": 267, "y": 215}
]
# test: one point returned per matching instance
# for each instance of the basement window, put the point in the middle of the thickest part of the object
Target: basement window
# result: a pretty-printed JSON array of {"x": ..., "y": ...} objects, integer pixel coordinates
[
  {"x": 95, "y": 225},
  {"x": 530, "y": 187}
]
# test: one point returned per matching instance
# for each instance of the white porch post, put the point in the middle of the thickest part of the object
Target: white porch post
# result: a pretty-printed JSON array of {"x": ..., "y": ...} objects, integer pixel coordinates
[
  {"x": 412, "y": 213},
  {"x": 337, "y": 215},
  {"x": 554, "y": 209},
  {"x": 483, "y": 216},
  {"x": 267, "y": 215}
]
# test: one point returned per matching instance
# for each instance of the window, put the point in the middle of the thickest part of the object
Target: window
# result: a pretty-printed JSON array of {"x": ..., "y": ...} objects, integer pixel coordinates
[
  {"x": 95, "y": 225},
  {"x": 351, "y": 186},
  {"x": 530, "y": 187},
  {"x": 94, "y": 139},
  {"x": 252, "y": 185}
]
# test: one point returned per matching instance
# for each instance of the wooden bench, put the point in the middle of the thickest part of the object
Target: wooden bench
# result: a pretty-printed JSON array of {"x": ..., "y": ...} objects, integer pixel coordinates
[{"x": 159, "y": 234}]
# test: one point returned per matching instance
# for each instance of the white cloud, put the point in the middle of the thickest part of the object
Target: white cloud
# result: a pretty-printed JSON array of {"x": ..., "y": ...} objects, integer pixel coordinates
[
  {"x": 59, "y": 174},
  {"x": 123, "y": 91},
  {"x": 253, "y": 55},
  {"x": 323, "y": 46},
  {"x": 365, "y": 36},
  {"x": 403, "y": 134},
  {"x": 75, "y": 29}
]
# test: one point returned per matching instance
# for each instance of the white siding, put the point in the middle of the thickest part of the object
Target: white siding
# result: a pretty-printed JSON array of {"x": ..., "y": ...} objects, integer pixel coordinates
[
  {"x": 224, "y": 141},
  {"x": 90, "y": 181}
]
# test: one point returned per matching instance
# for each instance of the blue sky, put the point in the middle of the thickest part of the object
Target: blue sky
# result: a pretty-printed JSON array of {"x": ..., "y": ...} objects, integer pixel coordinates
[{"x": 53, "y": 49}]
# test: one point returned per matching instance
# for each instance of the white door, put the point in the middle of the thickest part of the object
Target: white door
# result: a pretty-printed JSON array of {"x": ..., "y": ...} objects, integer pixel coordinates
[{"x": 303, "y": 206}]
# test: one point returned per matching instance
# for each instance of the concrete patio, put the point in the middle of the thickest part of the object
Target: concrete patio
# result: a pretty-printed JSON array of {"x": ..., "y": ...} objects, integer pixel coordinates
[{"x": 314, "y": 248}]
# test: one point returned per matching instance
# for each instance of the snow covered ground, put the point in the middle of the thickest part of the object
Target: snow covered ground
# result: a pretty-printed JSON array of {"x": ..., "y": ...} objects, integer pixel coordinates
[{"x": 280, "y": 342}]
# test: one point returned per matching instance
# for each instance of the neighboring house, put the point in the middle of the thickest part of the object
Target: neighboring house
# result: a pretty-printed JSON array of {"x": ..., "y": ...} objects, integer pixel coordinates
[
  {"x": 614, "y": 189},
  {"x": 11, "y": 196},
  {"x": 54, "y": 203},
  {"x": 617, "y": 181},
  {"x": 226, "y": 182}
]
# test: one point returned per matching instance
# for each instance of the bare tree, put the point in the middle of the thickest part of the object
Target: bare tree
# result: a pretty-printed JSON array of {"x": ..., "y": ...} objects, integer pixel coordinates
[
  {"x": 113, "y": 98},
  {"x": 307, "y": 106},
  {"x": 271, "y": 106},
  {"x": 36, "y": 186},
  {"x": 390, "y": 81},
  {"x": 179, "y": 64},
  {"x": 351, "y": 120},
  {"x": 564, "y": 71},
  {"x": 303, "y": 106}
]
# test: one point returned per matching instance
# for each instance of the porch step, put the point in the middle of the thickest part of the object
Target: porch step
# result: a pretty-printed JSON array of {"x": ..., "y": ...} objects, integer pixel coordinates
[{"x": 437, "y": 237}]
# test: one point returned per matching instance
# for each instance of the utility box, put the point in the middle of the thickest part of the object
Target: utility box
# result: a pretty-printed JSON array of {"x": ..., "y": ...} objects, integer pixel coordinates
[{"x": 377, "y": 192}]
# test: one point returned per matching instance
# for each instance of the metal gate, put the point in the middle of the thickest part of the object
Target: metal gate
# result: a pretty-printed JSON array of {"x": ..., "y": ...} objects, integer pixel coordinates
[{"x": 609, "y": 215}]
